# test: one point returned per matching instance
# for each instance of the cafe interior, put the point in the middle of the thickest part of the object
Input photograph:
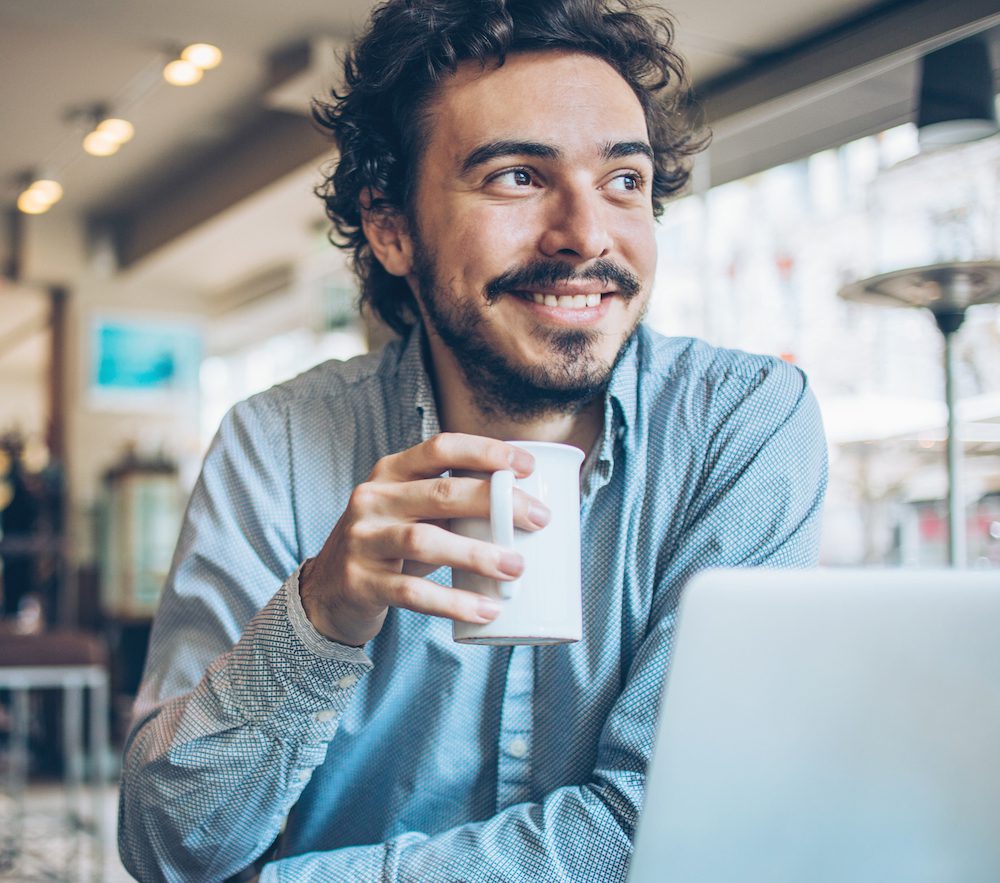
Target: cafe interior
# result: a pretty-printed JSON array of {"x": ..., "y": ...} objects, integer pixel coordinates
[{"x": 164, "y": 256}]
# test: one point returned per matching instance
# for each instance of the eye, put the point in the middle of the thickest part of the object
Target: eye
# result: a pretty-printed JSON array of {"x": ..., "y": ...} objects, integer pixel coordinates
[
  {"x": 626, "y": 181},
  {"x": 513, "y": 178}
]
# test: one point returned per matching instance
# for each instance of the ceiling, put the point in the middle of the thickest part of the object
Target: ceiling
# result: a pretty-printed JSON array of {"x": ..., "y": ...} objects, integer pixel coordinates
[
  {"x": 216, "y": 185},
  {"x": 58, "y": 55}
]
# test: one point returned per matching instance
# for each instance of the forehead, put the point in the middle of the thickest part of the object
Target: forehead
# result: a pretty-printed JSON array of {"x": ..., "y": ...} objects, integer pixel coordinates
[{"x": 568, "y": 99}]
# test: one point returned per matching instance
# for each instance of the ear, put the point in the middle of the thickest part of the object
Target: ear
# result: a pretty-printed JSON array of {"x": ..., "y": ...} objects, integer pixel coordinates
[{"x": 388, "y": 234}]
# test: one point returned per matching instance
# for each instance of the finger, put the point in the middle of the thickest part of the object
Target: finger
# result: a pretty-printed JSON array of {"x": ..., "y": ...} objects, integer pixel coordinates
[
  {"x": 418, "y": 568},
  {"x": 450, "y": 451},
  {"x": 423, "y": 596},
  {"x": 443, "y": 498},
  {"x": 434, "y": 546}
]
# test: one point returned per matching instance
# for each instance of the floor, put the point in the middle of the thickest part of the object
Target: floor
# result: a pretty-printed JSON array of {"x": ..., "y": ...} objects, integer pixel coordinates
[{"x": 55, "y": 839}]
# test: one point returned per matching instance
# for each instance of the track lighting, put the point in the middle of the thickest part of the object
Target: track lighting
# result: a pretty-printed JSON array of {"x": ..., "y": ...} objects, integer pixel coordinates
[{"x": 190, "y": 66}]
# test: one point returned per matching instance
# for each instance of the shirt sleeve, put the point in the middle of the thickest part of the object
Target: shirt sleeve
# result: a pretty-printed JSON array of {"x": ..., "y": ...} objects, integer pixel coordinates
[
  {"x": 240, "y": 696},
  {"x": 757, "y": 503},
  {"x": 764, "y": 475}
]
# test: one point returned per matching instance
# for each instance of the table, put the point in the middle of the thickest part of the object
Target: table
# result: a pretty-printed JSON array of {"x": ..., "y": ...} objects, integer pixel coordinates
[{"x": 74, "y": 663}]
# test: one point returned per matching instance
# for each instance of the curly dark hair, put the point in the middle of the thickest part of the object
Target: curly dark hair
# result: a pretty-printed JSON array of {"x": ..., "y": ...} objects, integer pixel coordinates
[{"x": 379, "y": 123}]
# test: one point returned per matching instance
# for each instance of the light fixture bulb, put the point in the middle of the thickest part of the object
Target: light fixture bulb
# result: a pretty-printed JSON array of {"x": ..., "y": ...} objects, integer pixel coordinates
[
  {"x": 47, "y": 189},
  {"x": 202, "y": 55},
  {"x": 182, "y": 73},
  {"x": 117, "y": 130},
  {"x": 31, "y": 202},
  {"x": 98, "y": 143}
]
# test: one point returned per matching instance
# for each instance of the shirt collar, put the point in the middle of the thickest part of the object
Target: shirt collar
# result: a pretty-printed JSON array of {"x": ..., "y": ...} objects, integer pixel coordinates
[{"x": 415, "y": 387}]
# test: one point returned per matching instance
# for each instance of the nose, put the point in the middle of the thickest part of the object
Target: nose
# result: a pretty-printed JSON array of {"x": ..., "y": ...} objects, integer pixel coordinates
[{"x": 576, "y": 225}]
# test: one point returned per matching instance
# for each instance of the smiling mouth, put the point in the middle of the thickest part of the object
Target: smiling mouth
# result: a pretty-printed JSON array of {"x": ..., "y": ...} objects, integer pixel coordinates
[{"x": 563, "y": 301}]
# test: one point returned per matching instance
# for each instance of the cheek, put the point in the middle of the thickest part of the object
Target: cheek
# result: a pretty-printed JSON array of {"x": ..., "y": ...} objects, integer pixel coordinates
[
  {"x": 638, "y": 243},
  {"x": 489, "y": 240}
]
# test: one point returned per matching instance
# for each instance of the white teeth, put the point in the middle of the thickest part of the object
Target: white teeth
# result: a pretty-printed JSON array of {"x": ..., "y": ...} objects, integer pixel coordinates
[{"x": 567, "y": 301}]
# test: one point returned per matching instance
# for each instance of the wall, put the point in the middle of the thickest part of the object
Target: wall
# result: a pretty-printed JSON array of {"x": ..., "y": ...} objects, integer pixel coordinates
[{"x": 97, "y": 437}]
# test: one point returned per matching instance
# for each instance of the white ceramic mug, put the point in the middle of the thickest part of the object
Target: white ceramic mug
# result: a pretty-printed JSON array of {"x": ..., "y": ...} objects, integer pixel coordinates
[{"x": 543, "y": 605}]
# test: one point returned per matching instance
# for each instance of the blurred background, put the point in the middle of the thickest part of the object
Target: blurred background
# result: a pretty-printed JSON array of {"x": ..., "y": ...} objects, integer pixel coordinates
[{"x": 163, "y": 256}]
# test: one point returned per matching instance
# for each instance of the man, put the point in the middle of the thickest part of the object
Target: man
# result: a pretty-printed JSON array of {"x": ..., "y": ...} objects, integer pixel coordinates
[{"x": 501, "y": 165}]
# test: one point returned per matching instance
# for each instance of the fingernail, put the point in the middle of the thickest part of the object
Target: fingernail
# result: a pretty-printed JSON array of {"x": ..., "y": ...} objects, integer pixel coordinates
[
  {"x": 487, "y": 609},
  {"x": 511, "y": 563},
  {"x": 539, "y": 514},
  {"x": 521, "y": 461}
]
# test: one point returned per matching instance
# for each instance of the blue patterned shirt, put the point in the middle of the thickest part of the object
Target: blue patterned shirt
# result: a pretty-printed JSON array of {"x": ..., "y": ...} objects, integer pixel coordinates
[{"x": 417, "y": 758}]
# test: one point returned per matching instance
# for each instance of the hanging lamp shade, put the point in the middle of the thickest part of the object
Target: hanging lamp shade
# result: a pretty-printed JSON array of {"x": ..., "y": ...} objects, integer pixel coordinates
[{"x": 957, "y": 101}]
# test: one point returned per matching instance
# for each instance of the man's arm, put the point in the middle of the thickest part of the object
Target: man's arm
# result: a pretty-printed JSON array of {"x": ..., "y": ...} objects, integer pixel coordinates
[
  {"x": 209, "y": 775},
  {"x": 758, "y": 505},
  {"x": 241, "y": 694},
  {"x": 237, "y": 702}
]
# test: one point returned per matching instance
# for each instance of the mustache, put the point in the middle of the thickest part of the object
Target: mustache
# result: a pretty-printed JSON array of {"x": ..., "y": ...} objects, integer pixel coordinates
[{"x": 545, "y": 274}]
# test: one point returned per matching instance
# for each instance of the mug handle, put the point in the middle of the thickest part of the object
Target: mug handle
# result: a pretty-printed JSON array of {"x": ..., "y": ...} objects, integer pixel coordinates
[{"x": 502, "y": 521}]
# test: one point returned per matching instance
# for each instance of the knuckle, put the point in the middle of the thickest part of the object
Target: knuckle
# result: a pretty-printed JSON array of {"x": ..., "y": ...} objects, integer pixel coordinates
[
  {"x": 356, "y": 536},
  {"x": 443, "y": 491},
  {"x": 412, "y": 539},
  {"x": 364, "y": 497},
  {"x": 441, "y": 444},
  {"x": 407, "y": 594}
]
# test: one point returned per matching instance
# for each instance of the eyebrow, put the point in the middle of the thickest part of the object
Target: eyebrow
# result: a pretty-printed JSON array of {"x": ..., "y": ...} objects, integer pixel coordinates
[
  {"x": 624, "y": 149},
  {"x": 494, "y": 149}
]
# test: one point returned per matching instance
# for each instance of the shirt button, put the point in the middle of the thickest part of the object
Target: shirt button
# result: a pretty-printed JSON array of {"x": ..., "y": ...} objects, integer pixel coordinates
[
  {"x": 327, "y": 714},
  {"x": 517, "y": 747},
  {"x": 347, "y": 681}
]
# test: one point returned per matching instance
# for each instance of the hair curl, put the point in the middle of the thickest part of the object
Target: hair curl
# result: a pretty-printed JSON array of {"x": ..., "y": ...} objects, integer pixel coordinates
[{"x": 379, "y": 122}]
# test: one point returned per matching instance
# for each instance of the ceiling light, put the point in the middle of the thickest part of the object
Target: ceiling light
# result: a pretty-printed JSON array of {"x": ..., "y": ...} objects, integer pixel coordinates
[
  {"x": 98, "y": 143},
  {"x": 117, "y": 130},
  {"x": 202, "y": 55},
  {"x": 33, "y": 202},
  {"x": 180, "y": 72},
  {"x": 40, "y": 192},
  {"x": 47, "y": 188}
]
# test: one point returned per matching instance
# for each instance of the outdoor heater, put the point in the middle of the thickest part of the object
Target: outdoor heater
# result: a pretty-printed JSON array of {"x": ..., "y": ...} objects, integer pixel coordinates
[{"x": 947, "y": 290}]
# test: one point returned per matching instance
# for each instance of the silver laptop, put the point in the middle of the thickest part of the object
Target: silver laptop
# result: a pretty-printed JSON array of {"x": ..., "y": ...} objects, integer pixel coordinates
[{"x": 828, "y": 726}]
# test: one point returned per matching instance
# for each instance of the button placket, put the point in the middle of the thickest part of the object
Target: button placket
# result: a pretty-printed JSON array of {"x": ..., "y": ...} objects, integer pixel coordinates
[{"x": 514, "y": 748}]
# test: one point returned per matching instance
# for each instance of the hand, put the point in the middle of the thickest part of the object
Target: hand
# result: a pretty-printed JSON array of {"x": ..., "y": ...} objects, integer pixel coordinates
[{"x": 394, "y": 532}]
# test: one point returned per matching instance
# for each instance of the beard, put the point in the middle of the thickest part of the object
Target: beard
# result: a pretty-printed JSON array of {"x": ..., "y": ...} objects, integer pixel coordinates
[{"x": 572, "y": 377}]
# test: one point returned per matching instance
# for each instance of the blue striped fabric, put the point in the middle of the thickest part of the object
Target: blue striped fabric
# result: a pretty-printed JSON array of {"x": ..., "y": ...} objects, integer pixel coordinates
[{"x": 418, "y": 758}]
